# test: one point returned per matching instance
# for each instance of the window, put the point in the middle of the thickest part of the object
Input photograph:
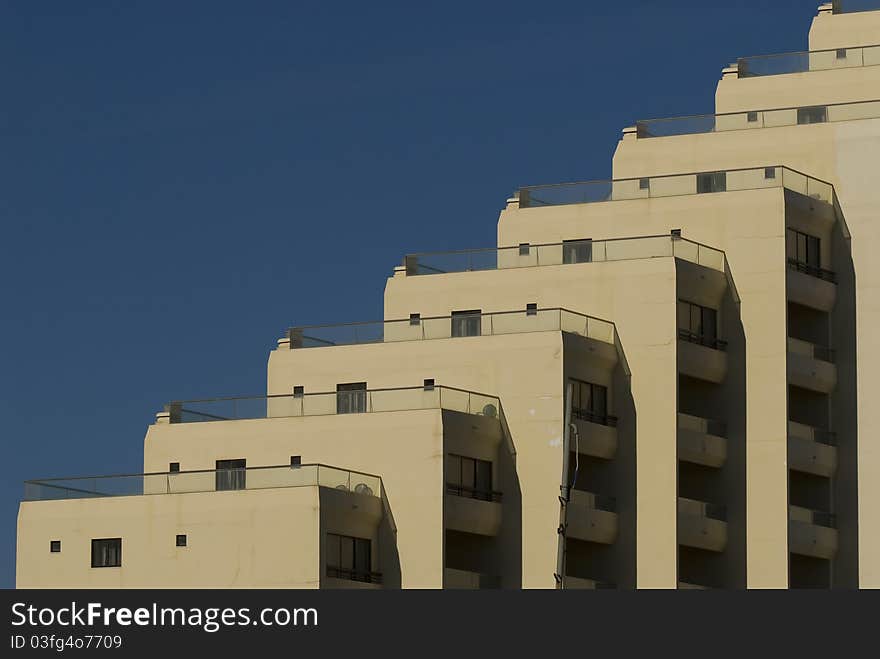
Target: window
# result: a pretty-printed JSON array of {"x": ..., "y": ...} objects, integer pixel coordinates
[
  {"x": 841, "y": 53},
  {"x": 711, "y": 182},
  {"x": 299, "y": 391},
  {"x": 429, "y": 384},
  {"x": 415, "y": 319},
  {"x": 769, "y": 173},
  {"x": 180, "y": 540},
  {"x": 752, "y": 117},
  {"x": 698, "y": 324},
  {"x": 803, "y": 249},
  {"x": 296, "y": 460},
  {"x": 351, "y": 398},
  {"x": 231, "y": 474},
  {"x": 55, "y": 546},
  {"x": 107, "y": 552},
  {"x": 577, "y": 251},
  {"x": 532, "y": 309},
  {"x": 469, "y": 477},
  {"x": 350, "y": 558},
  {"x": 814, "y": 115},
  {"x": 524, "y": 249},
  {"x": 644, "y": 184},
  {"x": 467, "y": 323},
  {"x": 173, "y": 467},
  {"x": 589, "y": 402}
]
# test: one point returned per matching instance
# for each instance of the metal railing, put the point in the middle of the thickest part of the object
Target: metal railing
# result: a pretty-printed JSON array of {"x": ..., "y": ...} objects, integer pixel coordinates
[
  {"x": 441, "y": 327},
  {"x": 593, "y": 417},
  {"x": 812, "y": 270},
  {"x": 361, "y": 576},
  {"x": 617, "y": 249},
  {"x": 708, "y": 341},
  {"x": 336, "y": 402},
  {"x": 807, "y": 349},
  {"x": 773, "y": 118},
  {"x": 473, "y": 493},
  {"x": 208, "y": 480},
  {"x": 805, "y": 61},
  {"x": 676, "y": 185}
]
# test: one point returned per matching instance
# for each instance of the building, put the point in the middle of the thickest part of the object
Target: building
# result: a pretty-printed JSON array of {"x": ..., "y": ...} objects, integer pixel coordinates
[{"x": 657, "y": 381}]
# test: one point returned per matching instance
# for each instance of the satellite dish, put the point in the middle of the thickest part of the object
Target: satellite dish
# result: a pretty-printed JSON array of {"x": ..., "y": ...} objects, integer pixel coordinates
[
  {"x": 363, "y": 488},
  {"x": 490, "y": 411}
]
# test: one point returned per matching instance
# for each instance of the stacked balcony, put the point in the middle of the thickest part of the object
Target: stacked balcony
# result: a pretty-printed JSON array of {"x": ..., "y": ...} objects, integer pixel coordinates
[
  {"x": 812, "y": 533},
  {"x": 592, "y": 517},
  {"x": 702, "y": 525},
  {"x": 701, "y": 441}
]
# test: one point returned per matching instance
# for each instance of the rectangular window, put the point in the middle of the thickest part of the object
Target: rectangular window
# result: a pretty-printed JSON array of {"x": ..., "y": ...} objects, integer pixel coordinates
[
  {"x": 230, "y": 475},
  {"x": 467, "y": 323},
  {"x": 299, "y": 391},
  {"x": 752, "y": 117},
  {"x": 524, "y": 249},
  {"x": 841, "y": 53},
  {"x": 107, "y": 552},
  {"x": 55, "y": 546},
  {"x": 180, "y": 540},
  {"x": 769, "y": 173},
  {"x": 351, "y": 398},
  {"x": 469, "y": 477},
  {"x": 415, "y": 319},
  {"x": 644, "y": 184},
  {"x": 590, "y": 403},
  {"x": 577, "y": 251},
  {"x": 532, "y": 309},
  {"x": 350, "y": 558},
  {"x": 698, "y": 324},
  {"x": 296, "y": 460},
  {"x": 803, "y": 249},
  {"x": 173, "y": 467},
  {"x": 814, "y": 115},
  {"x": 428, "y": 384},
  {"x": 711, "y": 182}
]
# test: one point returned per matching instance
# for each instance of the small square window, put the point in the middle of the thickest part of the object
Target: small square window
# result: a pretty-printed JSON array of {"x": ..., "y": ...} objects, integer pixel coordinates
[
  {"x": 644, "y": 184},
  {"x": 296, "y": 460},
  {"x": 812, "y": 115},
  {"x": 298, "y": 391},
  {"x": 524, "y": 249},
  {"x": 770, "y": 172},
  {"x": 675, "y": 233},
  {"x": 415, "y": 319},
  {"x": 55, "y": 546},
  {"x": 173, "y": 467},
  {"x": 429, "y": 384},
  {"x": 180, "y": 540},
  {"x": 841, "y": 53},
  {"x": 532, "y": 309},
  {"x": 752, "y": 117}
]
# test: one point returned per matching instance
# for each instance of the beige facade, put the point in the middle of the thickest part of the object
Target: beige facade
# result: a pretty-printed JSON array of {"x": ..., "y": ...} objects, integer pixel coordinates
[{"x": 699, "y": 321}]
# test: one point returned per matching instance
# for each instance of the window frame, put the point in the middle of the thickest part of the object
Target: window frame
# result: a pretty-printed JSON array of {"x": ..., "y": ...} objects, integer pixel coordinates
[
  {"x": 337, "y": 565},
  {"x": 591, "y": 412},
  {"x": 102, "y": 549},
  {"x": 466, "y": 323},
  {"x": 230, "y": 475},
  {"x": 351, "y": 398}
]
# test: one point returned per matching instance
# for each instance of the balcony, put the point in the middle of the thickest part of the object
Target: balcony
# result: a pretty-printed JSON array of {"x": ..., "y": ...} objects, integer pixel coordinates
[
  {"x": 596, "y": 434},
  {"x": 592, "y": 517},
  {"x": 702, "y": 525},
  {"x": 701, "y": 357},
  {"x": 812, "y": 533},
  {"x": 473, "y": 511},
  {"x": 578, "y": 583},
  {"x": 329, "y": 403},
  {"x": 811, "y": 450},
  {"x": 805, "y": 61},
  {"x": 341, "y": 579},
  {"x": 810, "y": 286},
  {"x": 701, "y": 441},
  {"x": 467, "y": 580},
  {"x": 811, "y": 366},
  {"x": 684, "y": 585}
]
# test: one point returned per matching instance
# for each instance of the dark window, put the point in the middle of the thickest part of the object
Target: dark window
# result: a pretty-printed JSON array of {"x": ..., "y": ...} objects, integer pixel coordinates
[
  {"x": 752, "y": 117},
  {"x": 814, "y": 115},
  {"x": 711, "y": 182},
  {"x": 644, "y": 184},
  {"x": 55, "y": 546},
  {"x": 299, "y": 391},
  {"x": 841, "y": 53},
  {"x": 524, "y": 249},
  {"x": 577, "y": 251},
  {"x": 173, "y": 467},
  {"x": 351, "y": 398},
  {"x": 698, "y": 324},
  {"x": 415, "y": 318},
  {"x": 467, "y": 323},
  {"x": 350, "y": 558},
  {"x": 231, "y": 474},
  {"x": 590, "y": 403},
  {"x": 296, "y": 460},
  {"x": 769, "y": 172},
  {"x": 107, "y": 552},
  {"x": 532, "y": 309},
  {"x": 803, "y": 248},
  {"x": 180, "y": 541},
  {"x": 429, "y": 384},
  {"x": 468, "y": 477}
]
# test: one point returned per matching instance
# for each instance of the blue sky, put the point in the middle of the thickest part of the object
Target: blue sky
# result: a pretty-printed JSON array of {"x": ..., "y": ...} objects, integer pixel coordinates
[{"x": 179, "y": 182}]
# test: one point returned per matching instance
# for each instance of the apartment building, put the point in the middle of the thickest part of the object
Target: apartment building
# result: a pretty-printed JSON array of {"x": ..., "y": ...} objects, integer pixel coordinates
[{"x": 656, "y": 381}]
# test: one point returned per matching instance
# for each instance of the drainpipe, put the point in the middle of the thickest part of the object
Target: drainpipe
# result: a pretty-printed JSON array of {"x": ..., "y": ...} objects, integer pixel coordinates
[{"x": 564, "y": 493}]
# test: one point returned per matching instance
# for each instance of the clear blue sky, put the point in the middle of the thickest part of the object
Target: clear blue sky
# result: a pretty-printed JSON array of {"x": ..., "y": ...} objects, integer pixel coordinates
[{"x": 180, "y": 181}]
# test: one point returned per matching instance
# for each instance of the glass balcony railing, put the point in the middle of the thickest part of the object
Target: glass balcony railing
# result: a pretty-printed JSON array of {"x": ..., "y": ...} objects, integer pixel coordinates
[
  {"x": 802, "y": 62},
  {"x": 854, "y": 6},
  {"x": 443, "y": 327},
  {"x": 674, "y": 185},
  {"x": 337, "y": 402},
  {"x": 595, "y": 251},
  {"x": 735, "y": 121},
  {"x": 185, "y": 482}
]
